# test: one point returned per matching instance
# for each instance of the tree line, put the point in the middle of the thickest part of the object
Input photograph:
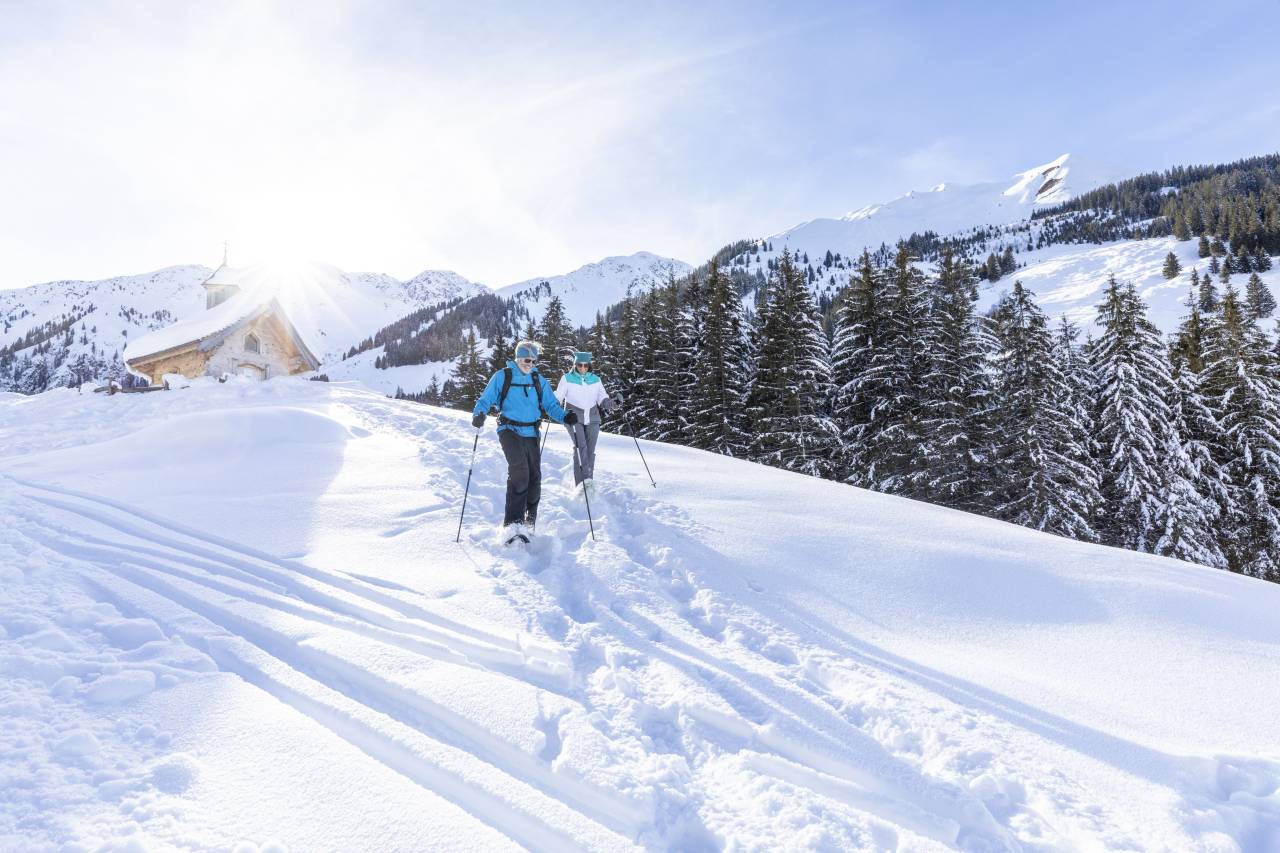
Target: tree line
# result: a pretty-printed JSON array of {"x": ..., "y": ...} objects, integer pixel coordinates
[{"x": 1162, "y": 446}]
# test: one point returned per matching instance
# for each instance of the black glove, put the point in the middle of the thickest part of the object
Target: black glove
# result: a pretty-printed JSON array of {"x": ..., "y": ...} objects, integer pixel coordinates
[
  {"x": 570, "y": 418},
  {"x": 617, "y": 398},
  {"x": 477, "y": 421}
]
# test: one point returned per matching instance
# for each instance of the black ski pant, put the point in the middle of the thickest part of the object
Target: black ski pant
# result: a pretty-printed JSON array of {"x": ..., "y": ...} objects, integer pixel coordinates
[{"x": 524, "y": 475}]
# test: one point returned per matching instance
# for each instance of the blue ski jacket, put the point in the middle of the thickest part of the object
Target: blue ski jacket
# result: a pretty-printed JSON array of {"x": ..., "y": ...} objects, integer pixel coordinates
[{"x": 520, "y": 404}]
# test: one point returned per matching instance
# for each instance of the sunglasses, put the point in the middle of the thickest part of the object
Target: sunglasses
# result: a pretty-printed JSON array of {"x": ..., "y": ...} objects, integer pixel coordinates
[
  {"x": 526, "y": 360},
  {"x": 582, "y": 366}
]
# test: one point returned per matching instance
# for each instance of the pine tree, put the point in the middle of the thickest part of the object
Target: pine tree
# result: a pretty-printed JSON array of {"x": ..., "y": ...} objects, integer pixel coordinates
[
  {"x": 1259, "y": 303},
  {"x": 1134, "y": 419},
  {"x": 1261, "y": 260},
  {"x": 470, "y": 374},
  {"x": 1188, "y": 343},
  {"x": 557, "y": 338},
  {"x": 601, "y": 348},
  {"x": 671, "y": 368},
  {"x": 1008, "y": 263},
  {"x": 1243, "y": 392},
  {"x": 957, "y": 395},
  {"x": 644, "y": 406},
  {"x": 886, "y": 455},
  {"x": 626, "y": 352},
  {"x": 1080, "y": 443},
  {"x": 721, "y": 375},
  {"x": 1044, "y": 483},
  {"x": 1171, "y": 266},
  {"x": 1204, "y": 250},
  {"x": 1243, "y": 259},
  {"x": 792, "y": 387},
  {"x": 859, "y": 330},
  {"x": 1198, "y": 493},
  {"x": 501, "y": 351},
  {"x": 1207, "y": 293}
]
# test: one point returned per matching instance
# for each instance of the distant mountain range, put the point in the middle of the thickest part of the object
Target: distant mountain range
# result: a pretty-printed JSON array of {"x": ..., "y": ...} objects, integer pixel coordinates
[
  {"x": 56, "y": 331},
  {"x": 948, "y": 208},
  {"x": 53, "y": 332}
]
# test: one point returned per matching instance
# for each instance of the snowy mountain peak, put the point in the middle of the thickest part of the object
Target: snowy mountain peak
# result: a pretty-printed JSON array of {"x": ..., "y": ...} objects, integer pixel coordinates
[
  {"x": 431, "y": 286},
  {"x": 595, "y": 286},
  {"x": 1045, "y": 184},
  {"x": 947, "y": 208}
]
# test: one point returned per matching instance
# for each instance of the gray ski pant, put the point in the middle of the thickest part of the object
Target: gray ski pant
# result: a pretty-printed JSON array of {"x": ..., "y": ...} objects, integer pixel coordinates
[{"x": 586, "y": 435}]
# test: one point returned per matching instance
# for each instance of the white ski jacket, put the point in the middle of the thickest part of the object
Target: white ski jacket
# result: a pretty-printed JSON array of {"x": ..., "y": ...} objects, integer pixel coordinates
[{"x": 582, "y": 393}]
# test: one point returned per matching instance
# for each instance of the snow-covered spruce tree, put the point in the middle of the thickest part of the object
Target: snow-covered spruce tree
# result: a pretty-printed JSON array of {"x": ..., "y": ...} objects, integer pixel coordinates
[
  {"x": 502, "y": 350},
  {"x": 1044, "y": 480},
  {"x": 1134, "y": 393},
  {"x": 694, "y": 299},
  {"x": 672, "y": 365},
  {"x": 1187, "y": 348},
  {"x": 1243, "y": 391},
  {"x": 600, "y": 346},
  {"x": 1259, "y": 303},
  {"x": 887, "y": 455},
  {"x": 859, "y": 328},
  {"x": 721, "y": 374},
  {"x": 1171, "y": 266},
  {"x": 470, "y": 374},
  {"x": 1207, "y": 293},
  {"x": 644, "y": 405},
  {"x": 557, "y": 338},
  {"x": 792, "y": 388},
  {"x": 1081, "y": 441},
  {"x": 1197, "y": 492},
  {"x": 626, "y": 355},
  {"x": 956, "y": 395}
]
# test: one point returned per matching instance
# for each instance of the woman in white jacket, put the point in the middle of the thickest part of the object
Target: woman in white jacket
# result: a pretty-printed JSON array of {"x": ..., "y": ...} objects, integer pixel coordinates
[{"x": 580, "y": 391}]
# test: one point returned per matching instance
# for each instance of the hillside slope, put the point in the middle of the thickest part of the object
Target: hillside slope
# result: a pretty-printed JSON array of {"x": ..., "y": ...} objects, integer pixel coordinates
[
  {"x": 946, "y": 209},
  {"x": 331, "y": 308},
  {"x": 236, "y": 613}
]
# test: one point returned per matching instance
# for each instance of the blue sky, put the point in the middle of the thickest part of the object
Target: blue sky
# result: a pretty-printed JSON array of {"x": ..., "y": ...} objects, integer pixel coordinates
[{"x": 508, "y": 140}]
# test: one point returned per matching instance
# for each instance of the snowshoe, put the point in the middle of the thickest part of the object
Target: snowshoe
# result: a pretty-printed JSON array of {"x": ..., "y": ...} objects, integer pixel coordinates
[{"x": 515, "y": 533}]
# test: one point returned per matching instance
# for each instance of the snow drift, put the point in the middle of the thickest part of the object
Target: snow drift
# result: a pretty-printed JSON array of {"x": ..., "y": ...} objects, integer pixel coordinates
[{"x": 235, "y": 615}]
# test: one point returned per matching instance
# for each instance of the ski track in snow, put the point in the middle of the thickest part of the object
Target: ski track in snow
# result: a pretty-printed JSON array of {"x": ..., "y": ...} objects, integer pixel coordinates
[{"x": 640, "y": 707}]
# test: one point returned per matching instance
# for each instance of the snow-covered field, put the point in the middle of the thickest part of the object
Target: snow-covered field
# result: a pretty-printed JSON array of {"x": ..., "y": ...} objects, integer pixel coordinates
[
  {"x": 1069, "y": 280},
  {"x": 234, "y": 617},
  {"x": 411, "y": 378}
]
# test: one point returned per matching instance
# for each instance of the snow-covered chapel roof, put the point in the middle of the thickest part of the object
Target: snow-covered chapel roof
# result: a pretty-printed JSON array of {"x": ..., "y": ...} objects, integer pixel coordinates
[
  {"x": 223, "y": 275},
  {"x": 209, "y": 328}
]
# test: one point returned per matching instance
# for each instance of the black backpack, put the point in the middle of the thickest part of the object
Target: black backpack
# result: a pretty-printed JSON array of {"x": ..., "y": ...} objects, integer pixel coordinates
[{"x": 537, "y": 390}]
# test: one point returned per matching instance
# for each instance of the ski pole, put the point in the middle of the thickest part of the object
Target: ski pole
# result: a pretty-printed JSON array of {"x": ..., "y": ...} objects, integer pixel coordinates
[
  {"x": 573, "y": 433},
  {"x": 467, "y": 490},
  {"x": 632, "y": 430},
  {"x": 546, "y": 428}
]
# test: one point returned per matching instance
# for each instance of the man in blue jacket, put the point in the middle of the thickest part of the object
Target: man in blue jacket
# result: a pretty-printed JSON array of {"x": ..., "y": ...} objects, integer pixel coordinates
[{"x": 523, "y": 398}]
